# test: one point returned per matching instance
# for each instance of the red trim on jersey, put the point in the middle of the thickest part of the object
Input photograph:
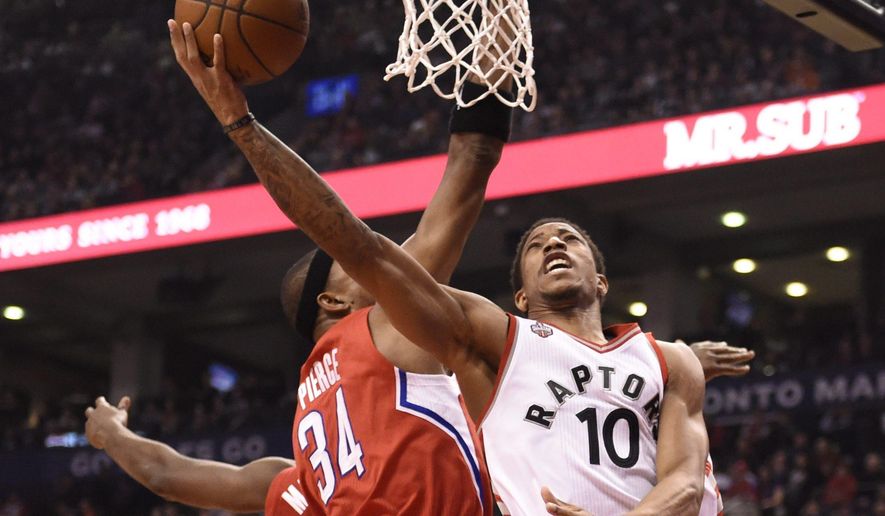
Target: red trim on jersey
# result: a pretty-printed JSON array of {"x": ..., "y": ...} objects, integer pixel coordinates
[
  {"x": 502, "y": 366},
  {"x": 665, "y": 370},
  {"x": 621, "y": 334}
]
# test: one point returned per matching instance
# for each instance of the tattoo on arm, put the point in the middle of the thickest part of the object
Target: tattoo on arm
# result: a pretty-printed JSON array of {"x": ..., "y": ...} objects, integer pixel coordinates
[{"x": 302, "y": 195}]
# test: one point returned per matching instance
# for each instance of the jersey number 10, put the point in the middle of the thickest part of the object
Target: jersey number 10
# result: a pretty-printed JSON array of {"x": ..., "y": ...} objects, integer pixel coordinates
[
  {"x": 588, "y": 415},
  {"x": 350, "y": 453}
]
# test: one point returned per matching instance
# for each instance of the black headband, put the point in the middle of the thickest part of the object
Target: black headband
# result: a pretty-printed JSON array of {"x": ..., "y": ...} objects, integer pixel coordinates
[{"x": 314, "y": 285}]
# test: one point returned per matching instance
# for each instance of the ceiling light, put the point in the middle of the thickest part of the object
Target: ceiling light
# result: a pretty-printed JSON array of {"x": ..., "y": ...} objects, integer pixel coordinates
[
  {"x": 733, "y": 219},
  {"x": 796, "y": 289},
  {"x": 744, "y": 266},
  {"x": 838, "y": 254},
  {"x": 14, "y": 313},
  {"x": 638, "y": 309}
]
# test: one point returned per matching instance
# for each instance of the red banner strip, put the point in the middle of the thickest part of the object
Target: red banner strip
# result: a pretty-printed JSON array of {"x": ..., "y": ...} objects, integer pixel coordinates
[{"x": 750, "y": 133}]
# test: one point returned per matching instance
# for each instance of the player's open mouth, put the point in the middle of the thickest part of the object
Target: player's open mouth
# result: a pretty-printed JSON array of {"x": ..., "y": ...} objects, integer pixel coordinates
[{"x": 556, "y": 261}]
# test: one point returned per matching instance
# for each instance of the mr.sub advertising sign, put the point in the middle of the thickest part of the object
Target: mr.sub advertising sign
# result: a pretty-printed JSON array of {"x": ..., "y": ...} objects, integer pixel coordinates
[
  {"x": 678, "y": 145},
  {"x": 765, "y": 131}
]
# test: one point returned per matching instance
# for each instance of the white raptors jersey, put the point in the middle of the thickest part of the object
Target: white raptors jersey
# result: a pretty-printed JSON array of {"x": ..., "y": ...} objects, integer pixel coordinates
[{"x": 576, "y": 416}]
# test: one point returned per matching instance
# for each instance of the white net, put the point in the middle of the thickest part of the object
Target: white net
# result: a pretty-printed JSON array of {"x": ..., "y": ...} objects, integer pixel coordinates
[{"x": 446, "y": 41}]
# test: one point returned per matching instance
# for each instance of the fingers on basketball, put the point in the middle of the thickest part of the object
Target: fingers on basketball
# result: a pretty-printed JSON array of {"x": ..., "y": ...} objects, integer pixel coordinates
[
  {"x": 262, "y": 38},
  {"x": 218, "y": 59}
]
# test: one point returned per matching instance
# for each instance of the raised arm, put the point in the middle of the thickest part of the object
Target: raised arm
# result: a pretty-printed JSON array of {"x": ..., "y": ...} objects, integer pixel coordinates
[
  {"x": 475, "y": 146},
  {"x": 173, "y": 476},
  {"x": 419, "y": 308},
  {"x": 682, "y": 439},
  {"x": 446, "y": 223}
]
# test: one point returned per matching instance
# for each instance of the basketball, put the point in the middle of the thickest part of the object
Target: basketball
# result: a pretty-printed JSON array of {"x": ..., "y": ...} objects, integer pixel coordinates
[{"x": 262, "y": 38}]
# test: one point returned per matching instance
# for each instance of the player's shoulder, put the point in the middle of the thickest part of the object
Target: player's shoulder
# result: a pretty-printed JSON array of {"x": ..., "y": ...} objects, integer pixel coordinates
[{"x": 682, "y": 363}]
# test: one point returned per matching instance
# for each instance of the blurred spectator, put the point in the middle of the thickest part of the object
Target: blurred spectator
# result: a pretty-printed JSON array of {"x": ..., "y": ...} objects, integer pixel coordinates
[{"x": 841, "y": 488}]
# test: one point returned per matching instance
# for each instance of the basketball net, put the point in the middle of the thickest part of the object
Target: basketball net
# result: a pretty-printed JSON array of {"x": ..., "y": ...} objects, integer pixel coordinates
[{"x": 445, "y": 41}]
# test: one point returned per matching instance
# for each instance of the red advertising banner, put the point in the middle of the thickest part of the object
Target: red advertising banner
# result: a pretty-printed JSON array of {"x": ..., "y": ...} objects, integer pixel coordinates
[{"x": 718, "y": 138}]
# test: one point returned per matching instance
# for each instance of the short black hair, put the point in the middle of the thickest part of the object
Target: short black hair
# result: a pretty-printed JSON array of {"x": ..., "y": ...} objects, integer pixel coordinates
[
  {"x": 293, "y": 287},
  {"x": 516, "y": 267}
]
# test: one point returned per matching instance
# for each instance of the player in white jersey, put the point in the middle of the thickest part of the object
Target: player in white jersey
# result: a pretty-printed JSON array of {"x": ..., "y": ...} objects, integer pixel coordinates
[{"x": 603, "y": 399}]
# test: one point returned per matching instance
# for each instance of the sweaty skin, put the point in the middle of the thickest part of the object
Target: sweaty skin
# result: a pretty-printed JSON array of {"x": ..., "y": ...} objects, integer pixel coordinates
[{"x": 465, "y": 332}]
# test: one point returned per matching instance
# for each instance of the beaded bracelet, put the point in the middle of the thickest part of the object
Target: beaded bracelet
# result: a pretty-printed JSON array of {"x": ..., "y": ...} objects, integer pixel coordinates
[{"x": 243, "y": 122}]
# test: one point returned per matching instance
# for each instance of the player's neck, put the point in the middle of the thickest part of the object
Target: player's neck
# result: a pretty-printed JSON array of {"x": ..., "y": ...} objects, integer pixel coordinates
[
  {"x": 580, "y": 321},
  {"x": 324, "y": 324}
]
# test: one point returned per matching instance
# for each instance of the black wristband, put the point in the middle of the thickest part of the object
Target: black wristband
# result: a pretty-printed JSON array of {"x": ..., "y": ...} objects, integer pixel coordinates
[
  {"x": 243, "y": 122},
  {"x": 488, "y": 116}
]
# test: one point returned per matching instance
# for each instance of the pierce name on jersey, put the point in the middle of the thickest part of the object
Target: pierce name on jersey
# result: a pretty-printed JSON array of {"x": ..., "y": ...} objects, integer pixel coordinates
[{"x": 322, "y": 376}]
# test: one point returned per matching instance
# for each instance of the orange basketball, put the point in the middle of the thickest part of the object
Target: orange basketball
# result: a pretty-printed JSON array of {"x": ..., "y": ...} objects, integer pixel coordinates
[{"x": 262, "y": 38}]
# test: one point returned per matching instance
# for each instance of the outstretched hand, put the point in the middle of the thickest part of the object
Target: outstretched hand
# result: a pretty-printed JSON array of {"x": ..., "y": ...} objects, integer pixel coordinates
[
  {"x": 214, "y": 83},
  {"x": 103, "y": 420},
  {"x": 556, "y": 506},
  {"x": 720, "y": 359}
]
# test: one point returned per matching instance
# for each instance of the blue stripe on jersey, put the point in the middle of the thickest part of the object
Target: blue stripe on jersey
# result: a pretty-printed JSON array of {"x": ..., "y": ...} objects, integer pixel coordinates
[{"x": 441, "y": 421}]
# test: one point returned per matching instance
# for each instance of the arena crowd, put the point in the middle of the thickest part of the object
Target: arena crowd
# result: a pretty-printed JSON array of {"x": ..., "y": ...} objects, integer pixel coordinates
[{"x": 97, "y": 112}]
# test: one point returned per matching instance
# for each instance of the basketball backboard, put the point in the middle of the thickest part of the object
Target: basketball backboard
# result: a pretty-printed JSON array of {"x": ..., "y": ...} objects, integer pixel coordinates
[{"x": 857, "y": 25}]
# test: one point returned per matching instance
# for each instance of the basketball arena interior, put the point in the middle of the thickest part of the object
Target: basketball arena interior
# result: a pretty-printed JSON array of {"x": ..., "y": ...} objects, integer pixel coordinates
[{"x": 728, "y": 161}]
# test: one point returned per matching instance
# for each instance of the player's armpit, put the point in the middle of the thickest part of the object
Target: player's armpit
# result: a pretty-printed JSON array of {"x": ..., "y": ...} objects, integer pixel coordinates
[
  {"x": 457, "y": 327},
  {"x": 682, "y": 439}
]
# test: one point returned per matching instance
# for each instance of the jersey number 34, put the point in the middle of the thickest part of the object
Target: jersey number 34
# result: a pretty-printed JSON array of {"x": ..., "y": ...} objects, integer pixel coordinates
[{"x": 350, "y": 453}]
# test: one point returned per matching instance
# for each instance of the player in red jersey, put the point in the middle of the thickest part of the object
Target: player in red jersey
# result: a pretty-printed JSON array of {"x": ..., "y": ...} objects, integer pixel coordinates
[
  {"x": 371, "y": 406},
  {"x": 269, "y": 484}
]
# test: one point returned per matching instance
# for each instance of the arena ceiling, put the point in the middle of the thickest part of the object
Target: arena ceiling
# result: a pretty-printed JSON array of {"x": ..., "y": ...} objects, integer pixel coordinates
[{"x": 221, "y": 299}]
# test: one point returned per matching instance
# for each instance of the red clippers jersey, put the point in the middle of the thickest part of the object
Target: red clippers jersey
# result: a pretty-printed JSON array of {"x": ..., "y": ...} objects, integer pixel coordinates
[
  {"x": 372, "y": 439},
  {"x": 284, "y": 497}
]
